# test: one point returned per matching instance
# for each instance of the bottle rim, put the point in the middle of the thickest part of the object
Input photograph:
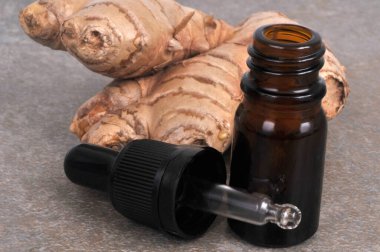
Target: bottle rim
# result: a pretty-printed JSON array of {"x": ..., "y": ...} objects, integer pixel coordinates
[{"x": 288, "y": 41}]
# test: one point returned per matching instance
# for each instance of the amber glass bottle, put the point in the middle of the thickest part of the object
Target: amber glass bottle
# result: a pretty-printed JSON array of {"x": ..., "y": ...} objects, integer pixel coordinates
[{"x": 280, "y": 130}]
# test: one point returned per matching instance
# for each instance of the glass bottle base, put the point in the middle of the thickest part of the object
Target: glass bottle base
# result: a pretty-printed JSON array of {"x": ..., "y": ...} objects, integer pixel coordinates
[{"x": 269, "y": 235}]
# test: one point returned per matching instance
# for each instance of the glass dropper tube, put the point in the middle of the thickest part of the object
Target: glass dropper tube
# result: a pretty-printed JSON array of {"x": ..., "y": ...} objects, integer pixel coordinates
[{"x": 255, "y": 208}]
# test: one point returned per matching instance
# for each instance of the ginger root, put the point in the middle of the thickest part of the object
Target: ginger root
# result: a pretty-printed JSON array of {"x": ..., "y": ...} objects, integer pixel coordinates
[
  {"x": 193, "y": 101},
  {"x": 42, "y": 20},
  {"x": 195, "y": 64},
  {"x": 123, "y": 38}
]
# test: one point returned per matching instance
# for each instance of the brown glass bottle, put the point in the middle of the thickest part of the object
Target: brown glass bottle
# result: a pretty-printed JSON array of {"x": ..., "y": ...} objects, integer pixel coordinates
[{"x": 280, "y": 130}]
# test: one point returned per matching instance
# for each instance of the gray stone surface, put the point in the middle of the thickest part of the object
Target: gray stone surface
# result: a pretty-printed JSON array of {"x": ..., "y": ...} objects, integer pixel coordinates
[{"x": 40, "y": 210}]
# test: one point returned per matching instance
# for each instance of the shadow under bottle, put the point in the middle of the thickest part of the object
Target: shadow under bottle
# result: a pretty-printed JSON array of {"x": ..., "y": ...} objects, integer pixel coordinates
[{"x": 280, "y": 130}]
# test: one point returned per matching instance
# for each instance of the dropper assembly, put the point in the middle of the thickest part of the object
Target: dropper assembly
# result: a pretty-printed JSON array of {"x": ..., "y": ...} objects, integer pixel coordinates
[{"x": 178, "y": 189}]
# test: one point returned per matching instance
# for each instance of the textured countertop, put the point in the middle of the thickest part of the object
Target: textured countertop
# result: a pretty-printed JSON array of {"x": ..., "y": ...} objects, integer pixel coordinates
[{"x": 40, "y": 210}]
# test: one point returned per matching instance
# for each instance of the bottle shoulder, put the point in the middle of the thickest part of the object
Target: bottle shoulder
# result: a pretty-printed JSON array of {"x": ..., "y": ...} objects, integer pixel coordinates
[{"x": 279, "y": 125}]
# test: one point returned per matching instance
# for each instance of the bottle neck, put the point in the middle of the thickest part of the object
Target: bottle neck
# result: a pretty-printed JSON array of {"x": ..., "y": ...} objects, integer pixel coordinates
[{"x": 284, "y": 64}]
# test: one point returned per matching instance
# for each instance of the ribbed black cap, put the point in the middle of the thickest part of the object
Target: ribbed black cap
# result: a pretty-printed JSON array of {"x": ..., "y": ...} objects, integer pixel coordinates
[
  {"x": 135, "y": 180},
  {"x": 147, "y": 179}
]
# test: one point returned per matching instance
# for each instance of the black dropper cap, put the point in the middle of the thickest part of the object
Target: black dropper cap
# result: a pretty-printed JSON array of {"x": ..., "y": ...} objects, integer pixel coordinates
[{"x": 146, "y": 180}]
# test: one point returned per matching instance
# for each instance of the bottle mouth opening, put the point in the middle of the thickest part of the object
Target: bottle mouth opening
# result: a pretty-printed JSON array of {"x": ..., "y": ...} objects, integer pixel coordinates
[
  {"x": 288, "y": 34},
  {"x": 286, "y": 49}
]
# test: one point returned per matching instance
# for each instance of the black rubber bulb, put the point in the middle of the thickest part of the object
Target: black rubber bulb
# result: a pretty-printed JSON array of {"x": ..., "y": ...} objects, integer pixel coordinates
[
  {"x": 178, "y": 189},
  {"x": 90, "y": 165}
]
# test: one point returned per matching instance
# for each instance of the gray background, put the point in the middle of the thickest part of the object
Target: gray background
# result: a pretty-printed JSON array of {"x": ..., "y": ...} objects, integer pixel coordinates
[{"x": 40, "y": 210}]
